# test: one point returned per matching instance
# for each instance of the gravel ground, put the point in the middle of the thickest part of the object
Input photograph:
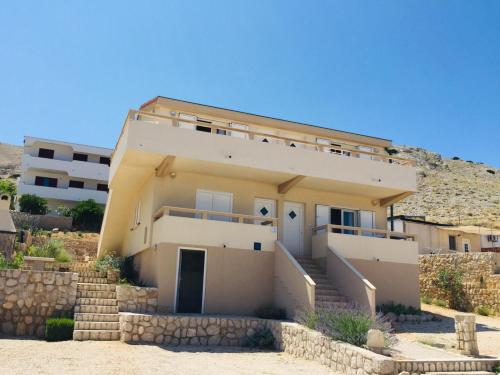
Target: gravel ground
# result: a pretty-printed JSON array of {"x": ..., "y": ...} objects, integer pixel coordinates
[
  {"x": 441, "y": 334},
  {"x": 27, "y": 356}
]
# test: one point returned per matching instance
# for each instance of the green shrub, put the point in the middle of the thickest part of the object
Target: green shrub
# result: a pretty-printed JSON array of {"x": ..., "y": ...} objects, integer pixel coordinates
[
  {"x": 496, "y": 369},
  {"x": 109, "y": 261},
  {"x": 261, "y": 339},
  {"x": 33, "y": 204},
  {"x": 59, "y": 329},
  {"x": 398, "y": 309},
  {"x": 439, "y": 302},
  {"x": 50, "y": 249},
  {"x": 88, "y": 215},
  {"x": 350, "y": 326},
  {"x": 8, "y": 187},
  {"x": 16, "y": 262},
  {"x": 427, "y": 300},
  {"x": 270, "y": 312},
  {"x": 63, "y": 211},
  {"x": 484, "y": 310}
]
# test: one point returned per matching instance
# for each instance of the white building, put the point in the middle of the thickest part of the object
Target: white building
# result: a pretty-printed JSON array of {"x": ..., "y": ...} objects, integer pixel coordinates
[{"x": 64, "y": 173}]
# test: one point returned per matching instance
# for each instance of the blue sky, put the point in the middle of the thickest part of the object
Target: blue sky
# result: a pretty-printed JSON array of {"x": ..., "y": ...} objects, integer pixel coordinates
[{"x": 423, "y": 73}]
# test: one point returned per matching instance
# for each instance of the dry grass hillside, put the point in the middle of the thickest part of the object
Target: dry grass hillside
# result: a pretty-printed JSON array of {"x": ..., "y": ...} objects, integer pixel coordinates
[
  {"x": 452, "y": 191},
  {"x": 10, "y": 160}
]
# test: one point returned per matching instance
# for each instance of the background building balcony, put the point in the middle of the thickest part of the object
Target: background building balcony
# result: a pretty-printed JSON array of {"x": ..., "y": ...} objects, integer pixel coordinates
[
  {"x": 65, "y": 194},
  {"x": 74, "y": 168}
]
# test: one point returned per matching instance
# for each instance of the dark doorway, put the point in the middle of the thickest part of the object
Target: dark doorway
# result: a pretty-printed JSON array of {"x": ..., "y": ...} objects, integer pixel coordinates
[{"x": 190, "y": 284}]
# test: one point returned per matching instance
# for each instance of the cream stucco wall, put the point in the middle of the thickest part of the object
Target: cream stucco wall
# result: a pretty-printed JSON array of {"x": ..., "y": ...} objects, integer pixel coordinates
[
  {"x": 237, "y": 281},
  {"x": 181, "y": 192}
]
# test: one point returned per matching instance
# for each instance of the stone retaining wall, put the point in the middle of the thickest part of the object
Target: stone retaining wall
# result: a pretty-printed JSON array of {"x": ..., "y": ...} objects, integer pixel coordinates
[
  {"x": 290, "y": 337},
  {"x": 28, "y": 298},
  {"x": 480, "y": 284},
  {"x": 136, "y": 299}
]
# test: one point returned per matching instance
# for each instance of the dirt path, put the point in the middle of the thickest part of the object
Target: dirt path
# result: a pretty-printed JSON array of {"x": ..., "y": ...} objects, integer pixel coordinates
[
  {"x": 441, "y": 334},
  {"x": 26, "y": 356}
]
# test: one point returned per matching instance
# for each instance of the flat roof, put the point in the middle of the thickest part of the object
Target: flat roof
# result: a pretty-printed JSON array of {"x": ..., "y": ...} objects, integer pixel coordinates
[
  {"x": 72, "y": 144},
  {"x": 317, "y": 127},
  {"x": 417, "y": 219}
]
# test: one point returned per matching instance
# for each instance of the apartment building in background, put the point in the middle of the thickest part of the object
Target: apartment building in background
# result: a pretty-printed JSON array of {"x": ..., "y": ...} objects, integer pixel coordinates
[
  {"x": 64, "y": 173},
  {"x": 436, "y": 238},
  {"x": 225, "y": 212}
]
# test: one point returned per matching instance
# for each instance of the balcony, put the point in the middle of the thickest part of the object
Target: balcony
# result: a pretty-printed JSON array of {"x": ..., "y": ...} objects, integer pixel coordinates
[
  {"x": 68, "y": 194},
  {"x": 74, "y": 168},
  {"x": 212, "y": 228},
  {"x": 147, "y": 139},
  {"x": 365, "y": 244}
]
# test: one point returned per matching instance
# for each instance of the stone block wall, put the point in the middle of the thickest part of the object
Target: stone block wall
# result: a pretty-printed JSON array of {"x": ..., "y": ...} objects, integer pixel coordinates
[
  {"x": 136, "y": 299},
  {"x": 290, "y": 337},
  {"x": 480, "y": 284},
  {"x": 28, "y": 298},
  {"x": 7, "y": 241}
]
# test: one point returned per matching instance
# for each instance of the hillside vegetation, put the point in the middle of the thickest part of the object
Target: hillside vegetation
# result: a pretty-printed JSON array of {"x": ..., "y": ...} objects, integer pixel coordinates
[{"x": 452, "y": 191}]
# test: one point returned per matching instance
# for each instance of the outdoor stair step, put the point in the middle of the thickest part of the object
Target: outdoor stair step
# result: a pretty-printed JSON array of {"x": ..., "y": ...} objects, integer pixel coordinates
[
  {"x": 96, "y": 309},
  {"x": 96, "y": 301},
  {"x": 95, "y": 294},
  {"x": 327, "y": 292},
  {"x": 96, "y": 287},
  {"x": 93, "y": 280},
  {"x": 96, "y": 335},
  {"x": 331, "y": 305},
  {"x": 90, "y": 325},
  {"x": 92, "y": 274},
  {"x": 337, "y": 298},
  {"x": 95, "y": 317}
]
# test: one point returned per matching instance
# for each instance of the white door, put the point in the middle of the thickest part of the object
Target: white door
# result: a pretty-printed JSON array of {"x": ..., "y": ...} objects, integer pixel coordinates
[
  {"x": 293, "y": 227},
  {"x": 265, "y": 208},
  {"x": 366, "y": 220},
  {"x": 214, "y": 201}
]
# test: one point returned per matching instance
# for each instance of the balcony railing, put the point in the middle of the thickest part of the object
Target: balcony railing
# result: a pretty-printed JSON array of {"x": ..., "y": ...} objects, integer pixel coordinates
[
  {"x": 360, "y": 231},
  {"x": 332, "y": 146},
  {"x": 214, "y": 215},
  {"x": 213, "y": 228}
]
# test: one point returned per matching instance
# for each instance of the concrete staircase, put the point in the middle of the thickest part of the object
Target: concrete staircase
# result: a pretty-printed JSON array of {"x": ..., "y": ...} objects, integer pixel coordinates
[
  {"x": 327, "y": 297},
  {"x": 96, "y": 309}
]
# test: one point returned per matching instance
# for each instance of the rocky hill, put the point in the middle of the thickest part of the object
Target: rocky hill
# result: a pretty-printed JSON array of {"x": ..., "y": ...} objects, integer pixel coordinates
[
  {"x": 452, "y": 190},
  {"x": 10, "y": 160}
]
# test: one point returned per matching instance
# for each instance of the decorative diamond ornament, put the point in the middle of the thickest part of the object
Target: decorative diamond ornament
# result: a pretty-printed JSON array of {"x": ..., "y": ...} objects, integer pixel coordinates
[
  {"x": 264, "y": 211},
  {"x": 292, "y": 214}
]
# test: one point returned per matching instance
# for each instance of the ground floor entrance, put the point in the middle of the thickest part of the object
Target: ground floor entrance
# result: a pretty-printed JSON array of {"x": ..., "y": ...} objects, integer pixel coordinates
[{"x": 190, "y": 281}]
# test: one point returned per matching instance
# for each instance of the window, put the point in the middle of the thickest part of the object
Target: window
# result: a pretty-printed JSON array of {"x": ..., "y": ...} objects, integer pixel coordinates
[
  {"x": 452, "y": 241},
  {"x": 137, "y": 217},
  {"x": 46, "y": 153},
  {"x": 102, "y": 187},
  {"x": 80, "y": 157},
  {"x": 104, "y": 160},
  {"x": 45, "y": 181},
  {"x": 76, "y": 184}
]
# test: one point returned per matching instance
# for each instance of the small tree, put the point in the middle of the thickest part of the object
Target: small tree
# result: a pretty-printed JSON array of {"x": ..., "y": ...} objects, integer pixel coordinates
[
  {"x": 33, "y": 204},
  {"x": 87, "y": 215},
  {"x": 8, "y": 187},
  {"x": 449, "y": 281}
]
